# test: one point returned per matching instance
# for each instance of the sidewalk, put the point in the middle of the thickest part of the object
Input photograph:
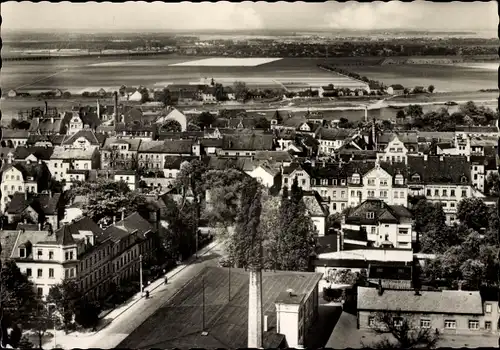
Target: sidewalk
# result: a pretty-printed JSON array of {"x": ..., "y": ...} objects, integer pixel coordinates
[{"x": 120, "y": 322}]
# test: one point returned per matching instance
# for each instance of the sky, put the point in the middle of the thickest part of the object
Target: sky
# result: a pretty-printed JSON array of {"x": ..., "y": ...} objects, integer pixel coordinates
[{"x": 186, "y": 16}]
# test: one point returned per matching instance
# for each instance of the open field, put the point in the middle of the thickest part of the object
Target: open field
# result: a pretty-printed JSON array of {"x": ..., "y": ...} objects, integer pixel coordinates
[
  {"x": 78, "y": 74},
  {"x": 445, "y": 78},
  {"x": 227, "y": 62}
]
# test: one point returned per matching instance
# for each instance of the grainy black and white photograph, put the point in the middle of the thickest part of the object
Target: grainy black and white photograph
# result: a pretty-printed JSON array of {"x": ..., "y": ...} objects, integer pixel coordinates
[{"x": 249, "y": 174}]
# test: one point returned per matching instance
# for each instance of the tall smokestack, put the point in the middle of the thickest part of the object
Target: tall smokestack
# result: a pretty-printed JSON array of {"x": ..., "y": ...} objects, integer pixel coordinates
[
  {"x": 46, "y": 108},
  {"x": 255, "y": 319},
  {"x": 115, "y": 101},
  {"x": 98, "y": 110}
]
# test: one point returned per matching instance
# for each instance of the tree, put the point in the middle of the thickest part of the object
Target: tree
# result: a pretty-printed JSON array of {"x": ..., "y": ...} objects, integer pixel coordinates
[
  {"x": 297, "y": 243},
  {"x": 245, "y": 244},
  {"x": 414, "y": 111},
  {"x": 492, "y": 184},
  {"x": 270, "y": 229},
  {"x": 66, "y": 296},
  {"x": 401, "y": 115},
  {"x": 431, "y": 88},
  {"x": 144, "y": 96},
  {"x": 428, "y": 215},
  {"x": 262, "y": 123},
  {"x": 40, "y": 322},
  {"x": 473, "y": 272},
  {"x": 406, "y": 334},
  {"x": 241, "y": 90},
  {"x": 387, "y": 125},
  {"x": 87, "y": 314},
  {"x": 205, "y": 120},
  {"x": 25, "y": 343},
  {"x": 473, "y": 213},
  {"x": 344, "y": 276}
]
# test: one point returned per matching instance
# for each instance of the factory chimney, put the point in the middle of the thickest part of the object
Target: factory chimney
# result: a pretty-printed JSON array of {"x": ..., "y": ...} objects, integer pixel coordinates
[
  {"x": 255, "y": 319},
  {"x": 46, "y": 108},
  {"x": 98, "y": 110}
]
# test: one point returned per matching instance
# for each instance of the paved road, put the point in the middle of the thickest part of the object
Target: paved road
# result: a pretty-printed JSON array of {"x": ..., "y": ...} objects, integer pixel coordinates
[{"x": 132, "y": 317}]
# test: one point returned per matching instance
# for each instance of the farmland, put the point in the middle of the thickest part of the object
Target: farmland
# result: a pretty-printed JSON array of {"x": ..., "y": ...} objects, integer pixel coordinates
[{"x": 78, "y": 74}]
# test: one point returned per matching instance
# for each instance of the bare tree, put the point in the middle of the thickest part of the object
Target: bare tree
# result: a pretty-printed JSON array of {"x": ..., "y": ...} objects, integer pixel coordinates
[{"x": 407, "y": 335}]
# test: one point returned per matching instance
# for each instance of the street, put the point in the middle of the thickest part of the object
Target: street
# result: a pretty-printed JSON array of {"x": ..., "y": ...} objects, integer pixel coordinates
[{"x": 128, "y": 317}]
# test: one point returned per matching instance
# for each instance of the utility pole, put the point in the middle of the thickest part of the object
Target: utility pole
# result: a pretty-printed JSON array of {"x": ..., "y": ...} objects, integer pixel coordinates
[
  {"x": 140, "y": 272},
  {"x": 203, "y": 301}
]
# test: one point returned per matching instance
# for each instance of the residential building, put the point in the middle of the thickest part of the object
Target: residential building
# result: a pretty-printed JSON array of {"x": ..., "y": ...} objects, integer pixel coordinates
[
  {"x": 120, "y": 153},
  {"x": 37, "y": 208},
  {"x": 46, "y": 126},
  {"x": 22, "y": 177},
  {"x": 385, "y": 224},
  {"x": 173, "y": 115},
  {"x": 394, "y": 148},
  {"x": 316, "y": 211},
  {"x": 447, "y": 311},
  {"x": 130, "y": 177},
  {"x": 65, "y": 158},
  {"x": 245, "y": 144},
  {"x": 391, "y": 276},
  {"x": 296, "y": 170},
  {"x": 152, "y": 155},
  {"x": 266, "y": 173},
  {"x": 13, "y": 137},
  {"x": 330, "y": 181},
  {"x": 174, "y": 164},
  {"x": 331, "y": 140},
  {"x": 85, "y": 138},
  {"x": 441, "y": 179},
  {"x": 32, "y": 154}
]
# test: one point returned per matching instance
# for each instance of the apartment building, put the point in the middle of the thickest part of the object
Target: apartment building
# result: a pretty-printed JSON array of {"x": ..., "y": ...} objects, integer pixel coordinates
[
  {"x": 65, "y": 158},
  {"x": 152, "y": 155},
  {"x": 119, "y": 153}
]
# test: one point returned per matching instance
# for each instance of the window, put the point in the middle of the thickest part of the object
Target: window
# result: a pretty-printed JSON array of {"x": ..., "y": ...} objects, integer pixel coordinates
[
  {"x": 425, "y": 323},
  {"x": 403, "y": 231},
  {"x": 452, "y": 193},
  {"x": 399, "y": 180},
  {"x": 342, "y": 194},
  {"x": 383, "y": 182},
  {"x": 303, "y": 182},
  {"x": 51, "y": 273},
  {"x": 39, "y": 253},
  {"x": 415, "y": 177},
  {"x": 28, "y": 272},
  {"x": 398, "y": 321},
  {"x": 396, "y": 194},
  {"x": 371, "y": 321},
  {"x": 370, "y": 215},
  {"x": 487, "y": 325},
  {"x": 22, "y": 253},
  {"x": 352, "y": 194},
  {"x": 487, "y": 308},
  {"x": 401, "y": 194},
  {"x": 371, "y": 182},
  {"x": 51, "y": 255},
  {"x": 464, "y": 193},
  {"x": 450, "y": 324},
  {"x": 445, "y": 193},
  {"x": 452, "y": 204},
  {"x": 373, "y": 230},
  {"x": 66, "y": 256},
  {"x": 39, "y": 291},
  {"x": 436, "y": 193},
  {"x": 473, "y": 324},
  {"x": 428, "y": 193},
  {"x": 39, "y": 273}
]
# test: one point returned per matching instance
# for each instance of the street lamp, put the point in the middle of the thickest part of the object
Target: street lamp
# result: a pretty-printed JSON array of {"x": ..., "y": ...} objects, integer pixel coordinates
[{"x": 140, "y": 273}]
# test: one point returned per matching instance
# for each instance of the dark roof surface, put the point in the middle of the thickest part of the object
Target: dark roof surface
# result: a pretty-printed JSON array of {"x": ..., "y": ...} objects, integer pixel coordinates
[
  {"x": 248, "y": 142},
  {"x": 42, "y": 153},
  {"x": 436, "y": 169},
  {"x": 225, "y": 321}
]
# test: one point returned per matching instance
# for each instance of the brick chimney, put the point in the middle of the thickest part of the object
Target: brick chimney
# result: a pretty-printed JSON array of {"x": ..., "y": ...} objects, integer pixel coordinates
[
  {"x": 115, "y": 101},
  {"x": 255, "y": 319}
]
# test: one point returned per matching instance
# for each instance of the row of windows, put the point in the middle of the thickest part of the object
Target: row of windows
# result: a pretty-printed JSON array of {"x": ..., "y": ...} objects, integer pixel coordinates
[
  {"x": 121, "y": 155},
  {"x": 68, "y": 273},
  {"x": 426, "y": 323},
  {"x": 444, "y": 193}
]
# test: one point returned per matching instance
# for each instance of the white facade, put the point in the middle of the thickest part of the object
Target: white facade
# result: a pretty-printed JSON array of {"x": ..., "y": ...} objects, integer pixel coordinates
[
  {"x": 262, "y": 175},
  {"x": 395, "y": 151},
  {"x": 75, "y": 125},
  {"x": 303, "y": 178},
  {"x": 398, "y": 234},
  {"x": 12, "y": 182}
]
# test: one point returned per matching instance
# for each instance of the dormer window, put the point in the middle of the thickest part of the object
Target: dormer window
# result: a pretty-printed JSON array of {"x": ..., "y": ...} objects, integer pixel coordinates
[
  {"x": 464, "y": 179},
  {"x": 370, "y": 215},
  {"x": 356, "y": 179},
  {"x": 415, "y": 177},
  {"x": 324, "y": 182},
  {"x": 22, "y": 252}
]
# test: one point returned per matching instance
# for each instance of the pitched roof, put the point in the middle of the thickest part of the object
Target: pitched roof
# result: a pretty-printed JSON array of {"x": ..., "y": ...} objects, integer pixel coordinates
[
  {"x": 217, "y": 143},
  {"x": 132, "y": 224},
  {"x": 436, "y": 169},
  {"x": 88, "y": 134},
  {"x": 33, "y": 170},
  {"x": 134, "y": 143},
  {"x": 313, "y": 204},
  {"x": 382, "y": 212},
  {"x": 43, "y": 153},
  {"x": 476, "y": 129},
  {"x": 46, "y": 126},
  {"x": 167, "y": 146},
  {"x": 14, "y": 134},
  {"x": 42, "y": 203},
  {"x": 273, "y": 156},
  {"x": 63, "y": 152},
  {"x": 32, "y": 237},
  {"x": 248, "y": 142},
  {"x": 334, "y": 134},
  {"x": 406, "y": 137},
  {"x": 229, "y": 329},
  {"x": 442, "y": 302},
  {"x": 7, "y": 242}
]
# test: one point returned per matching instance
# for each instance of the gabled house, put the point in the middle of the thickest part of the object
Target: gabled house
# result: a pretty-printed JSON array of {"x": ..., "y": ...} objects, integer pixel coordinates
[
  {"x": 299, "y": 171},
  {"x": 45, "y": 140},
  {"x": 66, "y": 158},
  {"x": 22, "y": 177},
  {"x": 386, "y": 225},
  {"x": 85, "y": 138},
  {"x": 14, "y": 137},
  {"x": 331, "y": 140},
  {"x": 32, "y": 154},
  {"x": 393, "y": 147},
  {"x": 267, "y": 174},
  {"x": 47, "y": 126},
  {"x": 316, "y": 211},
  {"x": 39, "y": 208}
]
